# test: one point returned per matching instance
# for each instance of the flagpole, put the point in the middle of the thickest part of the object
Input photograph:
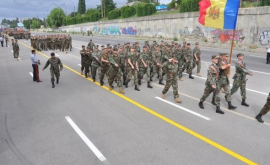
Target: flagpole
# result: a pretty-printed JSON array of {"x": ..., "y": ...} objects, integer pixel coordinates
[{"x": 230, "y": 60}]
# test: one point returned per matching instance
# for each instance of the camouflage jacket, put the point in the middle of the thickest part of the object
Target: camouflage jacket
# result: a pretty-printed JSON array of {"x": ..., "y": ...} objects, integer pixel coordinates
[
  {"x": 114, "y": 59},
  {"x": 171, "y": 69},
  {"x": 96, "y": 59},
  {"x": 158, "y": 57},
  {"x": 240, "y": 71},
  {"x": 223, "y": 73},
  {"x": 188, "y": 54},
  {"x": 88, "y": 58},
  {"x": 197, "y": 51},
  {"x": 105, "y": 57},
  {"x": 212, "y": 75},
  {"x": 179, "y": 54},
  {"x": 123, "y": 59},
  {"x": 167, "y": 55},
  {"x": 54, "y": 62},
  {"x": 90, "y": 45},
  {"x": 83, "y": 53},
  {"x": 133, "y": 59},
  {"x": 145, "y": 57},
  {"x": 16, "y": 47}
]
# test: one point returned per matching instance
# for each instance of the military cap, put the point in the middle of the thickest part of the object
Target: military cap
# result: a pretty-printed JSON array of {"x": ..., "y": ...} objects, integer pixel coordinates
[
  {"x": 83, "y": 45},
  {"x": 52, "y": 54},
  {"x": 132, "y": 47},
  {"x": 144, "y": 46},
  {"x": 188, "y": 43},
  {"x": 90, "y": 39},
  {"x": 114, "y": 49},
  {"x": 223, "y": 54},
  {"x": 102, "y": 46},
  {"x": 215, "y": 57},
  {"x": 196, "y": 43},
  {"x": 128, "y": 43},
  {"x": 108, "y": 45},
  {"x": 239, "y": 54},
  {"x": 121, "y": 47}
]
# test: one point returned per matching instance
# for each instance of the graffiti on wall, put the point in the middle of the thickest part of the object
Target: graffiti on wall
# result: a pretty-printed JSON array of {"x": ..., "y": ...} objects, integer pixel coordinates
[
  {"x": 264, "y": 37},
  {"x": 129, "y": 31},
  {"x": 227, "y": 35},
  {"x": 114, "y": 30}
]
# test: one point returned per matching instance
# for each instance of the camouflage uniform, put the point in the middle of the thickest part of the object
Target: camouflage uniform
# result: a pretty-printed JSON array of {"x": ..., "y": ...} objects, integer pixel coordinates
[
  {"x": 240, "y": 79},
  {"x": 180, "y": 57},
  {"x": 114, "y": 72},
  {"x": 83, "y": 59},
  {"x": 142, "y": 69},
  {"x": 158, "y": 63},
  {"x": 171, "y": 70},
  {"x": 212, "y": 79},
  {"x": 91, "y": 45},
  {"x": 122, "y": 66},
  {"x": 95, "y": 64},
  {"x": 16, "y": 50},
  {"x": 198, "y": 63},
  {"x": 104, "y": 67},
  {"x": 87, "y": 63},
  {"x": 55, "y": 63},
  {"x": 132, "y": 72},
  {"x": 264, "y": 110},
  {"x": 189, "y": 60}
]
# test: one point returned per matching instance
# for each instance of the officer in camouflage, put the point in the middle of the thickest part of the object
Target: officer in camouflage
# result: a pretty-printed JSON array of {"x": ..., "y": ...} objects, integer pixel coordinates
[
  {"x": 197, "y": 58},
  {"x": 189, "y": 60},
  {"x": 212, "y": 85},
  {"x": 105, "y": 65},
  {"x": 171, "y": 69},
  {"x": 95, "y": 63},
  {"x": 83, "y": 53},
  {"x": 55, "y": 62},
  {"x": 132, "y": 68},
  {"x": 144, "y": 67},
  {"x": 264, "y": 110},
  {"x": 240, "y": 78}
]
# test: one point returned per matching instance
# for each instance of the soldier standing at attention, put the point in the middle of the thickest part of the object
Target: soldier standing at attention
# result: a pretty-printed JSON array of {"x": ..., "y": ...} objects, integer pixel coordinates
[
  {"x": 212, "y": 85},
  {"x": 265, "y": 109},
  {"x": 16, "y": 49},
  {"x": 95, "y": 63},
  {"x": 91, "y": 45},
  {"x": 55, "y": 62},
  {"x": 6, "y": 39},
  {"x": 105, "y": 65},
  {"x": 189, "y": 60},
  {"x": 171, "y": 68},
  {"x": 240, "y": 78},
  {"x": 82, "y": 52},
  {"x": 132, "y": 68},
  {"x": 114, "y": 71},
  {"x": 197, "y": 58}
]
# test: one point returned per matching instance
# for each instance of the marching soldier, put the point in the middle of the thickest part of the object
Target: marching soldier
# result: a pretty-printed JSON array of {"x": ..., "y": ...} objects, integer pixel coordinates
[
  {"x": 240, "y": 78},
  {"x": 16, "y": 49},
  {"x": 83, "y": 53},
  {"x": 105, "y": 65},
  {"x": 91, "y": 45},
  {"x": 197, "y": 58},
  {"x": 158, "y": 63},
  {"x": 212, "y": 85},
  {"x": 264, "y": 110},
  {"x": 122, "y": 64},
  {"x": 95, "y": 63},
  {"x": 87, "y": 62},
  {"x": 171, "y": 68},
  {"x": 144, "y": 67},
  {"x": 183, "y": 65},
  {"x": 189, "y": 60},
  {"x": 55, "y": 62},
  {"x": 132, "y": 68},
  {"x": 114, "y": 71}
]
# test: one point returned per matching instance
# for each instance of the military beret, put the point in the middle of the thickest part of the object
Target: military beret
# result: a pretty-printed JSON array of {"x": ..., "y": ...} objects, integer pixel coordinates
[
  {"x": 223, "y": 54},
  {"x": 133, "y": 47},
  {"x": 215, "y": 57},
  {"x": 90, "y": 39},
  {"x": 196, "y": 43},
  {"x": 239, "y": 54},
  {"x": 128, "y": 43},
  {"x": 114, "y": 49},
  {"x": 102, "y": 46},
  {"x": 144, "y": 46},
  {"x": 162, "y": 41},
  {"x": 108, "y": 44},
  {"x": 83, "y": 45},
  {"x": 52, "y": 54},
  {"x": 188, "y": 43}
]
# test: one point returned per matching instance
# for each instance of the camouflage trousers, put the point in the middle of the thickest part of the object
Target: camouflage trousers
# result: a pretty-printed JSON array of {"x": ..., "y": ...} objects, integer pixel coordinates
[
  {"x": 115, "y": 74},
  {"x": 132, "y": 72},
  {"x": 54, "y": 73},
  {"x": 188, "y": 66},
  {"x": 103, "y": 71},
  {"x": 16, "y": 54},
  {"x": 198, "y": 64},
  {"x": 159, "y": 72},
  {"x": 142, "y": 71},
  {"x": 153, "y": 70},
  {"x": 266, "y": 107},
  {"x": 86, "y": 68},
  {"x": 226, "y": 88},
  {"x": 171, "y": 81},
  {"x": 208, "y": 90},
  {"x": 180, "y": 68},
  {"x": 124, "y": 72},
  {"x": 242, "y": 85},
  {"x": 94, "y": 70}
]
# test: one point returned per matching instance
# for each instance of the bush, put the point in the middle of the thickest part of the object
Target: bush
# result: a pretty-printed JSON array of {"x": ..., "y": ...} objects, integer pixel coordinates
[
  {"x": 189, "y": 6},
  {"x": 145, "y": 9},
  {"x": 265, "y": 3},
  {"x": 175, "y": 38},
  {"x": 127, "y": 11},
  {"x": 114, "y": 14}
]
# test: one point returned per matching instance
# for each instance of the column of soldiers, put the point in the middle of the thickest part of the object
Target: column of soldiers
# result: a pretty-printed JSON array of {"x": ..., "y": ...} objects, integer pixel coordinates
[
  {"x": 20, "y": 34},
  {"x": 121, "y": 63},
  {"x": 62, "y": 43}
]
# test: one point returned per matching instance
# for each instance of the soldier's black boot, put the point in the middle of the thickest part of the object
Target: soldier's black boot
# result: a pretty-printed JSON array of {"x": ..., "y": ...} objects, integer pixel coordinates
[
  {"x": 230, "y": 106},
  {"x": 244, "y": 103},
  {"x": 57, "y": 81},
  {"x": 140, "y": 82},
  {"x": 126, "y": 85},
  {"x": 213, "y": 101},
  {"x": 190, "y": 76},
  {"x": 101, "y": 83},
  {"x": 259, "y": 118},
  {"x": 201, "y": 105},
  {"x": 136, "y": 88},
  {"x": 94, "y": 79},
  {"x": 53, "y": 85},
  {"x": 218, "y": 110},
  {"x": 148, "y": 85},
  {"x": 160, "y": 82},
  {"x": 151, "y": 79}
]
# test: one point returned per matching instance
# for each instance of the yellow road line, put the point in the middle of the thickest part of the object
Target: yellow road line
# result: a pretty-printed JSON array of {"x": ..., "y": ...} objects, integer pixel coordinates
[{"x": 224, "y": 149}]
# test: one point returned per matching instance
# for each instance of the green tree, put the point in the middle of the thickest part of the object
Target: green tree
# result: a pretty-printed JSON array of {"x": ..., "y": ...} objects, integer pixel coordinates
[
  {"x": 188, "y": 6},
  {"x": 35, "y": 23},
  {"x": 27, "y": 23},
  {"x": 109, "y": 6},
  {"x": 81, "y": 7},
  {"x": 91, "y": 11},
  {"x": 56, "y": 18},
  {"x": 265, "y": 2}
]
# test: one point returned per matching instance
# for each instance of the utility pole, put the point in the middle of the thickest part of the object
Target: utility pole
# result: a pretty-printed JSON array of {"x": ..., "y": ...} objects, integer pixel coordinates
[
  {"x": 101, "y": 6},
  {"x": 104, "y": 9}
]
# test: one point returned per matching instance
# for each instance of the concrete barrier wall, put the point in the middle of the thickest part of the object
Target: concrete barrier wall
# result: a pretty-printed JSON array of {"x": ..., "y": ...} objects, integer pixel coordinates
[{"x": 253, "y": 27}]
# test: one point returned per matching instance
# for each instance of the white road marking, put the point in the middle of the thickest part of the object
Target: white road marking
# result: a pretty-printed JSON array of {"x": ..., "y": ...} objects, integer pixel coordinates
[
  {"x": 31, "y": 74},
  {"x": 86, "y": 140},
  {"x": 79, "y": 64},
  {"x": 12, "y": 51},
  {"x": 185, "y": 109}
]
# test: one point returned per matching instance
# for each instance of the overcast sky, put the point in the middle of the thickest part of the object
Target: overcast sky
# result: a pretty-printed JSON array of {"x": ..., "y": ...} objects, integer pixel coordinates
[{"x": 40, "y": 8}]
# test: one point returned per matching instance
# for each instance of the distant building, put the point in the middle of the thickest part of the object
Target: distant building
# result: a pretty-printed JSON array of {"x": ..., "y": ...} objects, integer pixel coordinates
[{"x": 20, "y": 25}]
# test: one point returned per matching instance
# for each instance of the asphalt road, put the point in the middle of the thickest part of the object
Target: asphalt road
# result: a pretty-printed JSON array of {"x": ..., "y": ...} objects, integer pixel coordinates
[{"x": 80, "y": 122}]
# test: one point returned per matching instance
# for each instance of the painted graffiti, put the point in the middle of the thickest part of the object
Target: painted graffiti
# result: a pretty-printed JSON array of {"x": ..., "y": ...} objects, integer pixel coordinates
[
  {"x": 129, "y": 31},
  {"x": 264, "y": 37},
  {"x": 227, "y": 35}
]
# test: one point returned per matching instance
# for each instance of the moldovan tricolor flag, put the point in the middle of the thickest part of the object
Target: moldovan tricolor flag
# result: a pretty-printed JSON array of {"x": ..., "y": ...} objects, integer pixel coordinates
[{"x": 220, "y": 14}]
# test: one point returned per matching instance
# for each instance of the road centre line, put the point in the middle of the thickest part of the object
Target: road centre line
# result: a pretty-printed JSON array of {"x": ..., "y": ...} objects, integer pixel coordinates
[
  {"x": 31, "y": 74},
  {"x": 86, "y": 140},
  {"x": 225, "y": 109},
  {"x": 185, "y": 129},
  {"x": 185, "y": 109}
]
